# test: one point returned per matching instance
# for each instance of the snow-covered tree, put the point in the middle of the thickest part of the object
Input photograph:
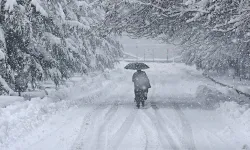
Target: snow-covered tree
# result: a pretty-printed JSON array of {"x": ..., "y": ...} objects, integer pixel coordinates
[
  {"x": 53, "y": 39},
  {"x": 214, "y": 33}
]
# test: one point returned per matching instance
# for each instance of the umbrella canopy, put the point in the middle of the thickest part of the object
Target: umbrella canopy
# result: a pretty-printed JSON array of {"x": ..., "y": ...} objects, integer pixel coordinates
[{"x": 136, "y": 66}]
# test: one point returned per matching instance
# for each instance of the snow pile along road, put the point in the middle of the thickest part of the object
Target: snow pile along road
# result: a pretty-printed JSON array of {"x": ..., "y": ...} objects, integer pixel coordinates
[
  {"x": 238, "y": 116},
  {"x": 8, "y": 100},
  {"x": 21, "y": 118}
]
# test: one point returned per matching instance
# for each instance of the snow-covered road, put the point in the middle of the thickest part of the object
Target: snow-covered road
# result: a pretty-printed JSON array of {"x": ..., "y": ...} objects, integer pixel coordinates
[{"x": 172, "y": 119}]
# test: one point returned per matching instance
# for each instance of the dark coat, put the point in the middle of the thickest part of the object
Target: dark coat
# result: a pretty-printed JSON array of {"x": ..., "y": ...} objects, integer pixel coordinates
[{"x": 141, "y": 81}]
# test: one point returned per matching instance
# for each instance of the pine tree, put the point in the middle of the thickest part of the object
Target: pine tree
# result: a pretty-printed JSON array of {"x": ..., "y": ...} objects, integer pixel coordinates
[{"x": 52, "y": 40}]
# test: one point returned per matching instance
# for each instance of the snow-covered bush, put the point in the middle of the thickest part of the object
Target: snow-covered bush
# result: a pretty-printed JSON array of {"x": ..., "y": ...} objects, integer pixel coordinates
[{"x": 210, "y": 97}]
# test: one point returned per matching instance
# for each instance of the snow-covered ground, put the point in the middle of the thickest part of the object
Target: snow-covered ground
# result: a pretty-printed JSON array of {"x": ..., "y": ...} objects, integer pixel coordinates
[
  {"x": 98, "y": 112},
  {"x": 240, "y": 84},
  {"x": 8, "y": 100}
]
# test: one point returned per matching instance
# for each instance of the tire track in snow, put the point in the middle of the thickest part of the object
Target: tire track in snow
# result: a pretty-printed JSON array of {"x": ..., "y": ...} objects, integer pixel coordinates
[
  {"x": 167, "y": 123},
  {"x": 101, "y": 143},
  {"x": 88, "y": 122},
  {"x": 79, "y": 143},
  {"x": 188, "y": 138},
  {"x": 120, "y": 134},
  {"x": 164, "y": 138},
  {"x": 146, "y": 136},
  {"x": 163, "y": 134},
  {"x": 214, "y": 141},
  {"x": 171, "y": 126},
  {"x": 151, "y": 141},
  {"x": 146, "y": 133}
]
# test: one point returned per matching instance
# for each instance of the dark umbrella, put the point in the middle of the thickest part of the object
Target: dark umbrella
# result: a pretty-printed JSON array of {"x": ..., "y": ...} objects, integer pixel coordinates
[{"x": 136, "y": 66}]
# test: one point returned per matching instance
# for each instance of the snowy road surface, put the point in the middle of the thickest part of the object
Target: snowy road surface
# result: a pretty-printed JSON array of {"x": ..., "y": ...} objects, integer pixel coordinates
[{"x": 109, "y": 120}]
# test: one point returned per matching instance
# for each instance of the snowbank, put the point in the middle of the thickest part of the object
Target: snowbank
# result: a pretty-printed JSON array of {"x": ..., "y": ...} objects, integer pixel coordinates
[
  {"x": 8, "y": 100},
  {"x": 237, "y": 115},
  {"x": 234, "y": 110},
  {"x": 229, "y": 105},
  {"x": 19, "y": 119},
  {"x": 208, "y": 97},
  {"x": 34, "y": 94}
]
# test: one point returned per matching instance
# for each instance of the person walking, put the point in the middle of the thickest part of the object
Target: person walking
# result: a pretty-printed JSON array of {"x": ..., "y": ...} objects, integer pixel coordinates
[{"x": 141, "y": 86}]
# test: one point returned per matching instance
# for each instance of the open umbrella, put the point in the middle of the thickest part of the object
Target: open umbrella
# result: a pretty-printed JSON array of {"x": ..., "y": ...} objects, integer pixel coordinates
[{"x": 136, "y": 66}]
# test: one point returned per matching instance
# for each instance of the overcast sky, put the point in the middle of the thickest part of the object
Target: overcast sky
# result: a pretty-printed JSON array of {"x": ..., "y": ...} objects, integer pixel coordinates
[{"x": 138, "y": 46}]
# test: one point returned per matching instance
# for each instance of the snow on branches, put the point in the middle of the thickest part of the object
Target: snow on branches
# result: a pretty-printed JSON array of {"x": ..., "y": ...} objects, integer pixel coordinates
[
  {"x": 214, "y": 33},
  {"x": 42, "y": 39}
]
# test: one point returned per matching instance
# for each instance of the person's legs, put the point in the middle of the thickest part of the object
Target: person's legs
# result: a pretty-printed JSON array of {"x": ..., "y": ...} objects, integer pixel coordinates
[
  {"x": 141, "y": 97},
  {"x": 138, "y": 104},
  {"x": 145, "y": 94},
  {"x": 137, "y": 98}
]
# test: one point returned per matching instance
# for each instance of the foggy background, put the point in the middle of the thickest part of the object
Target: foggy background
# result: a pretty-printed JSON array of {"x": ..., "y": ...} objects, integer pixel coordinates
[{"x": 151, "y": 48}]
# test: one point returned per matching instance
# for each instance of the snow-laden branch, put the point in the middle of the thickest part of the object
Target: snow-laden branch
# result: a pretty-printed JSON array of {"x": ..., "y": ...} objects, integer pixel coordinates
[
  {"x": 9, "y": 5},
  {"x": 164, "y": 10},
  {"x": 39, "y": 8},
  {"x": 2, "y": 37}
]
